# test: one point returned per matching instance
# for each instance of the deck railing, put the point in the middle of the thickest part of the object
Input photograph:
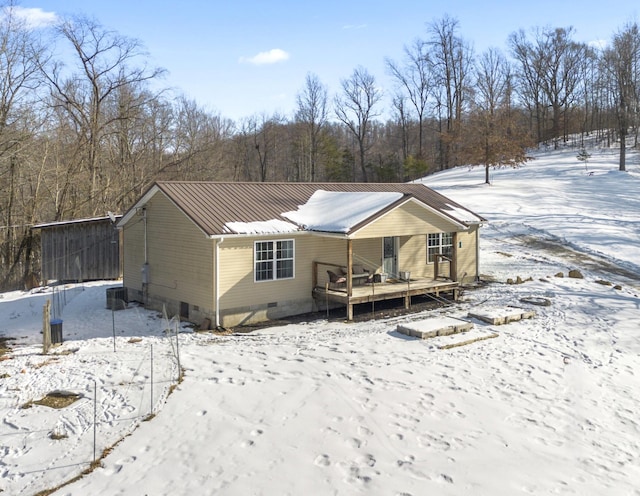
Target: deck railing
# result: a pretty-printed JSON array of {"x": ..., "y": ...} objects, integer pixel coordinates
[
  {"x": 321, "y": 276},
  {"x": 439, "y": 265}
]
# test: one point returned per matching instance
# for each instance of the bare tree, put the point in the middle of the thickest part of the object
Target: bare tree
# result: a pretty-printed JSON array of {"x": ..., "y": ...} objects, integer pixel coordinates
[
  {"x": 104, "y": 64},
  {"x": 20, "y": 81},
  {"x": 588, "y": 91},
  {"x": 529, "y": 76},
  {"x": 312, "y": 115},
  {"x": 355, "y": 109},
  {"x": 549, "y": 71},
  {"x": 623, "y": 62},
  {"x": 495, "y": 137},
  {"x": 263, "y": 137},
  {"x": 402, "y": 121},
  {"x": 415, "y": 79},
  {"x": 451, "y": 62}
]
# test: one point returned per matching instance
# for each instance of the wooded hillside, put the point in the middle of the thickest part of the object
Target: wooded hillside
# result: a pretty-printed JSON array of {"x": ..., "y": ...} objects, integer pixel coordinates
[{"x": 86, "y": 135}]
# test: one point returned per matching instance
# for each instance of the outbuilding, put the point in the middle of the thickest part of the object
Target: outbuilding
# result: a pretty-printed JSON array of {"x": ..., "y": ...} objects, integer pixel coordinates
[{"x": 80, "y": 250}]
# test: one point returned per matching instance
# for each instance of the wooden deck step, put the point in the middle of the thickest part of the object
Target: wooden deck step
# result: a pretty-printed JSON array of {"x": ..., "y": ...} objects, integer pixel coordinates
[{"x": 499, "y": 316}]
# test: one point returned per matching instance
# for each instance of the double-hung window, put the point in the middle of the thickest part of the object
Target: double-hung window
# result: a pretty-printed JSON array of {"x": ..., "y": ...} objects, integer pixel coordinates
[
  {"x": 273, "y": 260},
  {"x": 439, "y": 244}
]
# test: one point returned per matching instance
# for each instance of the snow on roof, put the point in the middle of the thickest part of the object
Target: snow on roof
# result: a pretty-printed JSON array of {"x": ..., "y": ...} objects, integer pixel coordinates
[
  {"x": 75, "y": 221},
  {"x": 462, "y": 214},
  {"x": 338, "y": 211},
  {"x": 273, "y": 226}
]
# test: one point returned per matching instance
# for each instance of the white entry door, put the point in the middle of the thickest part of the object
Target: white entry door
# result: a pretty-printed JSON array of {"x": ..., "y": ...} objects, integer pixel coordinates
[{"x": 390, "y": 248}]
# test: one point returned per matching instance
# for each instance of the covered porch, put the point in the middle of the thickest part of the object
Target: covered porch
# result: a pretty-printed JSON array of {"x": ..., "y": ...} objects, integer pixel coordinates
[
  {"x": 379, "y": 291},
  {"x": 359, "y": 279}
]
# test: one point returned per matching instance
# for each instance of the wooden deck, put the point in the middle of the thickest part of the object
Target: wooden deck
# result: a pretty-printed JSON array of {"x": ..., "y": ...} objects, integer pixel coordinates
[{"x": 392, "y": 289}]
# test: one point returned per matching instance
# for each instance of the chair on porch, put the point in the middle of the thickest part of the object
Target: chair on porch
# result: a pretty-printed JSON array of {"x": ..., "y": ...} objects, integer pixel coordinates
[
  {"x": 336, "y": 280},
  {"x": 359, "y": 275}
]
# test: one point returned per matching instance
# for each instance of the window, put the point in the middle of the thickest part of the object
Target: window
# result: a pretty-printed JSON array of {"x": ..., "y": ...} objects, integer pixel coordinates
[
  {"x": 439, "y": 244},
  {"x": 273, "y": 260}
]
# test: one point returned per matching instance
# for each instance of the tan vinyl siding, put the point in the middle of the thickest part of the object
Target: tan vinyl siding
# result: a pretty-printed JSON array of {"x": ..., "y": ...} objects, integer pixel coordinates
[
  {"x": 242, "y": 300},
  {"x": 327, "y": 250},
  {"x": 407, "y": 219},
  {"x": 180, "y": 256},
  {"x": 133, "y": 253},
  {"x": 413, "y": 256},
  {"x": 467, "y": 266},
  {"x": 237, "y": 285},
  {"x": 368, "y": 253}
]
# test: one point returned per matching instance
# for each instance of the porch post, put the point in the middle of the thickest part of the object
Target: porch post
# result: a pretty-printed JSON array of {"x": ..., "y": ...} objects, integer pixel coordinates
[
  {"x": 453, "y": 270},
  {"x": 349, "y": 279},
  {"x": 436, "y": 268},
  {"x": 349, "y": 267}
]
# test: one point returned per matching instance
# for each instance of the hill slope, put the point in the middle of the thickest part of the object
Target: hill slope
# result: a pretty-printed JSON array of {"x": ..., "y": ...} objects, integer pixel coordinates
[{"x": 327, "y": 407}]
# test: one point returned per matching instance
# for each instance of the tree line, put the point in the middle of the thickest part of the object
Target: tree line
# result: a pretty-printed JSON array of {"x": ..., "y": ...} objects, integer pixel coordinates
[{"x": 87, "y": 136}]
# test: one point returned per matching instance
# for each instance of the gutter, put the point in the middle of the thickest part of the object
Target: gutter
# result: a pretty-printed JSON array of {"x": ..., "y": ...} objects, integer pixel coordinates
[{"x": 256, "y": 235}]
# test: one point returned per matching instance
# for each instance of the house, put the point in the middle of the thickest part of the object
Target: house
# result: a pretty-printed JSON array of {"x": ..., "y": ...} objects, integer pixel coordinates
[
  {"x": 80, "y": 250},
  {"x": 239, "y": 253}
]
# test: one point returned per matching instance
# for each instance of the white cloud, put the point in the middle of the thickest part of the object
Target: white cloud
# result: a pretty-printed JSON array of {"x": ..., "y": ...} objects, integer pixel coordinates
[
  {"x": 354, "y": 26},
  {"x": 33, "y": 18},
  {"x": 600, "y": 44},
  {"x": 272, "y": 56}
]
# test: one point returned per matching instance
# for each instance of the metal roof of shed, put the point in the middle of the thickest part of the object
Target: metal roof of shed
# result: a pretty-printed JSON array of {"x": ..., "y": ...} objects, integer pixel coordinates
[{"x": 75, "y": 221}]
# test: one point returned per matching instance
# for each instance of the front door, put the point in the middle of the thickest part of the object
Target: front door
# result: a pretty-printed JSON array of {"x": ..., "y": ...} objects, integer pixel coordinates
[{"x": 390, "y": 256}]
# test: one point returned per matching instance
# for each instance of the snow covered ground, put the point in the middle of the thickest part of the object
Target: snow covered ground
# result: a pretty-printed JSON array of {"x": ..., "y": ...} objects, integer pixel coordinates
[{"x": 327, "y": 407}]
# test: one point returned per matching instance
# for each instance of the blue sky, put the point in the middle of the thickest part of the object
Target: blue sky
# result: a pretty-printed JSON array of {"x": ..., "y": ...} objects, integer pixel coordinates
[{"x": 209, "y": 47}]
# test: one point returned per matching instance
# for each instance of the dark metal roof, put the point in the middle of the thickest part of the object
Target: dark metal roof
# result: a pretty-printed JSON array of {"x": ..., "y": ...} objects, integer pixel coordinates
[{"x": 213, "y": 204}]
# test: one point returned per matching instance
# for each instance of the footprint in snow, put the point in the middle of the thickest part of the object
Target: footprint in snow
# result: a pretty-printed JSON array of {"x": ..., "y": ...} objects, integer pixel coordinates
[{"x": 322, "y": 461}]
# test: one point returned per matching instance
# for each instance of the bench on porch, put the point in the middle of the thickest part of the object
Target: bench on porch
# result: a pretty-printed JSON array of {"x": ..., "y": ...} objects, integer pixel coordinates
[{"x": 359, "y": 275}]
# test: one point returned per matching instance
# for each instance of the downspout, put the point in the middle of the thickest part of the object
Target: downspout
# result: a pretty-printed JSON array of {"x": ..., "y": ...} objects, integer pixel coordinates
[
  {"x": 145, "y": 266},
  {"x": 217, "y": 282},
  {"x": 477, "y": 253},
  {"x": 144, "y": 218}
]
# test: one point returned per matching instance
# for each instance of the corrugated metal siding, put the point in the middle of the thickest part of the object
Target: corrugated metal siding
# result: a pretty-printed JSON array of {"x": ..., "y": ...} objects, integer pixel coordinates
[{"x": 80, "y": 251}]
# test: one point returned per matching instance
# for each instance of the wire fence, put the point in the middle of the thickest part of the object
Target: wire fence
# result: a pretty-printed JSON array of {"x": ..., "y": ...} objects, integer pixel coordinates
[
  {"x": 112, "y": 393},
  {"x": 63, "y": 295}
]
